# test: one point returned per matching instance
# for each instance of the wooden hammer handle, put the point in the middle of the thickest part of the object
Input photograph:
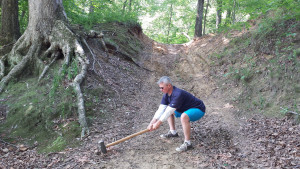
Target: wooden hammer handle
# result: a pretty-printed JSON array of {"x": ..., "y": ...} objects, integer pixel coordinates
[{"x": 127, "y": 138}]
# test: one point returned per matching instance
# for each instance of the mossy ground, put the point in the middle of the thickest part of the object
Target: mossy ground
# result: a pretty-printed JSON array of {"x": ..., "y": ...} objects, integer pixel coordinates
[{"x": 45, "y": 113}]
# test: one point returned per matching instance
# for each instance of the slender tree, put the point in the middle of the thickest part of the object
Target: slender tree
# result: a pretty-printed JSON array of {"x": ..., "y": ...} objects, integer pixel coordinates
[
  {"x": 219, "y": 13},
  {"x": 198, "y": 25},
  {"x": 205, "y": 15},
  {"x": 170, "y": 21},
  {"x": 10, "y": 29},
  {"x": 92, "y": 7},
  {"x": 130, "y": 5},
  {"x": 228, "y": 16},
  {"x": 233, "y": 12},
  {"x": 124, "y": 6}
]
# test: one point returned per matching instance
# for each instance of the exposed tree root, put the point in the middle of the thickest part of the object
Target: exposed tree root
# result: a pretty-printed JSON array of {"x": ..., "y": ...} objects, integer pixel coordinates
[
  {"x": 47, "y": 67},
  {"x": 2, "y": 67},
  {"x": 80, "y": 100},
  {"x": 61, "y": 42},
  {"x": 18, "y": 68}
]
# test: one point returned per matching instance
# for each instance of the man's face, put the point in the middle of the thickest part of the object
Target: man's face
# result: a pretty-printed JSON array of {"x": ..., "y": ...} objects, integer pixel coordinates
[{"x": 164, "y": 87}]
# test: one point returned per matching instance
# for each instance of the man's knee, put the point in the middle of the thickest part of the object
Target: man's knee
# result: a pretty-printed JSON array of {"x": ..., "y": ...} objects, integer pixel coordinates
[{"x": 184, "y": 118}]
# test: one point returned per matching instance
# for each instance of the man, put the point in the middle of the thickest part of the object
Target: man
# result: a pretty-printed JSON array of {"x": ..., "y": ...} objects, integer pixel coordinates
[{"x": 180, "y": 103}]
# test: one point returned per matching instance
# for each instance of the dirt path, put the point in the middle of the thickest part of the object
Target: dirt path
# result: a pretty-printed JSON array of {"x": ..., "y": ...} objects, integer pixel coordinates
[
  {"x": 150, "y": 151},
  {"x": 220, "y": 139}
]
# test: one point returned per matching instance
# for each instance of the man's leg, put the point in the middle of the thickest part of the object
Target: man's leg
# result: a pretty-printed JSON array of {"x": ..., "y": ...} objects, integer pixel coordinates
[
  {"x": 171, "y": 122},
  {"x": 189, "y": 115},
  {"x": 186, "y": 126},
  {"x": 172, "y": 132}
]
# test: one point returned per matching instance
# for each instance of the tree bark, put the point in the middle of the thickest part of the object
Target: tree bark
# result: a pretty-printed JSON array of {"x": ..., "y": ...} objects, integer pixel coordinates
[
  {"x": 198, "y": 25},
  {"x": 207, "y": 4},
  {"x": 129, "y": 5},
  {"x": 228, "y": 17},
  {"x": 233, "y": 13},
  {"x": 124, "y": 6},
  {"x": 219, "y": 13},
  {"x": 91, "y": 9},
  {"x": 10, "y": 29}
]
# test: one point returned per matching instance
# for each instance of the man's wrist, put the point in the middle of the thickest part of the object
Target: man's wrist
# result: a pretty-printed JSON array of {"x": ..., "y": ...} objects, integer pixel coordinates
[{"x": 153, "y": 121}]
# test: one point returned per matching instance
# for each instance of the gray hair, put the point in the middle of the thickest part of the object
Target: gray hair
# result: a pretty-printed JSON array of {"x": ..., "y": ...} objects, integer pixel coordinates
[{"x": 165, "y": 80}]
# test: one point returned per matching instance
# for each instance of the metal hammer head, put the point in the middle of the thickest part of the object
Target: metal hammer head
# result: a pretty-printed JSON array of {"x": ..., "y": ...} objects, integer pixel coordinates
[{"x": 102, "y": 146}]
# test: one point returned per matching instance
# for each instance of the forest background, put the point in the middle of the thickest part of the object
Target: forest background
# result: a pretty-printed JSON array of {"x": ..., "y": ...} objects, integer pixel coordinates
[{"x": 170, "y": 21}]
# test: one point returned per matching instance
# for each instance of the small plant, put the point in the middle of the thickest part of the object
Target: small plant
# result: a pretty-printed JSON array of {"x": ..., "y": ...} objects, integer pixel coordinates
[{"x": 262, "y": 102}]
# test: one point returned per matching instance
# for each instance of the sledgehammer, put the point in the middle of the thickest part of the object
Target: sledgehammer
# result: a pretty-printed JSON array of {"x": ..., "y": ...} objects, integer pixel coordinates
[{"x": 103, "y": 147}]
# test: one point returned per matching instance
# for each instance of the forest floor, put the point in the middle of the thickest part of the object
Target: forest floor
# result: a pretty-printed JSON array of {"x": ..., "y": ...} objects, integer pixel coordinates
[{"x": 221, "y": 139}]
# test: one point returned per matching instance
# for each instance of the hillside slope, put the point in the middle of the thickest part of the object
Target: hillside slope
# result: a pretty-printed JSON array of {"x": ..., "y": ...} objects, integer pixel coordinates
[{"x": 122, "y": 96}]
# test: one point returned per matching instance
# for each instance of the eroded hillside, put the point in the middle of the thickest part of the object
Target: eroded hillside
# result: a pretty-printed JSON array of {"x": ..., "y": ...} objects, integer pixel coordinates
[{"x": 122, "y": 95}]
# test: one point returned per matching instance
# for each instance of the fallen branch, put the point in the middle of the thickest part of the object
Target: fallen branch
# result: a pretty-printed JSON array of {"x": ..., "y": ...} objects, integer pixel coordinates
[{"x": 187, "y": 36}]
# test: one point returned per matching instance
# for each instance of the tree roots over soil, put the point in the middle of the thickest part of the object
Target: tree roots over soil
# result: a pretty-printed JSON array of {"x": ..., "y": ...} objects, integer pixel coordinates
[{"x": 33, "y": 53}]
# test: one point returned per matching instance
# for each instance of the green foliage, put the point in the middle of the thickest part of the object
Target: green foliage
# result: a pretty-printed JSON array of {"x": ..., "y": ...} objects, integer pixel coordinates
[
  {"x": 166, "y": 24},
  {"x": 88, "y": 13},
  {"x": 170, "y": 19},
  {"x": 23, "y": 15},
  {"x": 245, "y": 72}
]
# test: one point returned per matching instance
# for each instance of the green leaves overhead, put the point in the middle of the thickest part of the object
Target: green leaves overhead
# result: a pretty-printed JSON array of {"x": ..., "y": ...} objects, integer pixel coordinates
[
  {"x": 90, "y": 12},
  {"x": 171, "y": 21}
]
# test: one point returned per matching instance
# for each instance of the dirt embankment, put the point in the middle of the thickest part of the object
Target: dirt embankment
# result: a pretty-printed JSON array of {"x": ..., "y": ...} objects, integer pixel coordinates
[{"x": 220, "y": 139}]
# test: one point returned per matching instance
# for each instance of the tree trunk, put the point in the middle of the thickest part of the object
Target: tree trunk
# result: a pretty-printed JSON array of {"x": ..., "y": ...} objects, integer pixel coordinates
[
  {"x": 10, "y": 29},
  {"x": 91, "y": 9},
  {"x": 198, "y": 25},
  {"x": 228, "y": 17},
  {"x": 46, "y": 37},
  {"x": 129, "y": 5},
  {"x": 233, "y": 13},
  {"x": 205, "y": 17},
  {"x": 124, "y": 6},
  {"x": 219, "y": 13},
  {"x": 170, "y": 21}
]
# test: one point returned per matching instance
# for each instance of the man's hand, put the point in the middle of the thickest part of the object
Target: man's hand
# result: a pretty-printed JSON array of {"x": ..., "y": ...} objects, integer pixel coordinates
[
  {"x": 156, "y": 125},
  {"x": 150, "y": 126}
]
